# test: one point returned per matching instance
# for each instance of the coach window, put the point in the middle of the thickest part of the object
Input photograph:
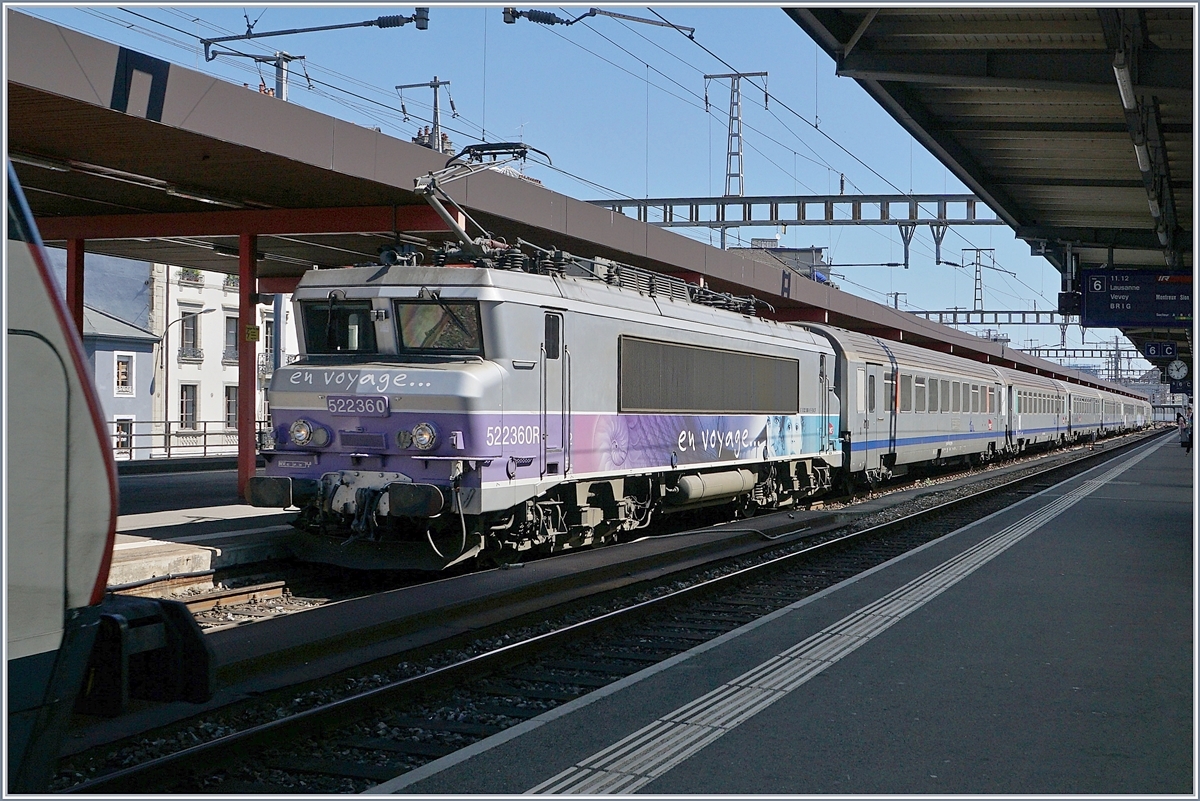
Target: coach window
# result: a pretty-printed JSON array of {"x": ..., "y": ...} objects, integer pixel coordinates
[
  {"x": 945, "y": 396},
  {"x": 954, "y": 396},
  {"x": 991, "y": 400},
  {"x": 906, "y": 404},
  {"x": 933, "y": 395},
  {"x": 889, "y": 392},
  {"x": 974, "y": 398},
  {"x": 871, "y": 393},
  {"x": 860, "y": 394},
  {"x": 919, "y": 403}
]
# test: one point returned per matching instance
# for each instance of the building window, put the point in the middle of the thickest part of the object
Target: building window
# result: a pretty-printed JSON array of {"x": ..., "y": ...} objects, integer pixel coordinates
[
  {"x": 123, "y": 376},
  {"x": 231, "y": 406},
  {"x": 123, "y": 438},
  {"x": 187, "y": 405},
  {"x": 231, "y": 340},
  {"x": 189, "y": 336},
  {"x": 268, "y": 337}
]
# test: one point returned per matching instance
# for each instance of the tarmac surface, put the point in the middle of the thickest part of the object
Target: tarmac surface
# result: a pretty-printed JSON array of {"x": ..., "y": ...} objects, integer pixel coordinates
[{"x": 1046, "y": 649}]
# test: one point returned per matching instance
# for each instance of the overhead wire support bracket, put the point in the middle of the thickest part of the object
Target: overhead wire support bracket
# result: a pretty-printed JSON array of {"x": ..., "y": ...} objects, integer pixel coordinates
[
  {"x": 511, "y": 15},
  {"x": 420, "y": 17}
]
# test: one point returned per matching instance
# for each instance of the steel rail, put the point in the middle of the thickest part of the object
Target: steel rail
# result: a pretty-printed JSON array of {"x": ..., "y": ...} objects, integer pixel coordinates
[{"x": 167, "y": 770}]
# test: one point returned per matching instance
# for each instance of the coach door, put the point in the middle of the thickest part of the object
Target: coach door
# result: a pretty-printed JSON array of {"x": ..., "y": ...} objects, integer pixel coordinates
[
  {"x": 555, "y": 398},
  {"x": 875, "y": 424}
]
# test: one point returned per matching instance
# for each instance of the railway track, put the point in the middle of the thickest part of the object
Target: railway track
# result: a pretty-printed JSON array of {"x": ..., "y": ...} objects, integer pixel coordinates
[{"x": 356, "y": 740}]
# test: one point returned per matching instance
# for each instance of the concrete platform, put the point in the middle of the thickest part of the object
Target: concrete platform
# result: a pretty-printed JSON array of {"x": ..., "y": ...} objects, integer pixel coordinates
[
  {"x": 159, "y": 544},
  {"x": 1046, "y": 649}
]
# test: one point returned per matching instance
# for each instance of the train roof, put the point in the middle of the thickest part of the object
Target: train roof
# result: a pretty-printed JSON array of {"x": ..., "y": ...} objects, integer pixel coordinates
[
  {"x": 668, "y": 297},
  {"x": 864, "y": 347},
  {"x": 874, "y": 349}
]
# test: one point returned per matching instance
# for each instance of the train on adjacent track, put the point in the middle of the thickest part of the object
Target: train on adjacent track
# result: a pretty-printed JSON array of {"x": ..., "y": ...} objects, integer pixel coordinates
[
  {"x": 71, "y": 645},
  {"x": 546, "y": 402}
]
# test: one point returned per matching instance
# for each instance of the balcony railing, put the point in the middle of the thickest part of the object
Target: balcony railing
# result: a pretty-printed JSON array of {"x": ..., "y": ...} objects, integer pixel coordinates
[
  {"x": 265, "y": 361},
  {"x": 188, "y": 275},
  {"x": 229, "y": 356},
  {"x": 190, "y": 353},
  {"x": 123, "y": 389},
  {"x": 232, "y": 282},
  {"x": 145, "y": 439}
]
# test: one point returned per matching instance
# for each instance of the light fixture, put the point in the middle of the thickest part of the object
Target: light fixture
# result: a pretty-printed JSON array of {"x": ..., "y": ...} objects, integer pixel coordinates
[
  {"x": 1162, "y": 236},
  {"x": 1124, "y": 82},
  {"x": 34, "y": 161},
  {"x": 1143, "y": 156},
  {"x": 1154, "y": 209},
  {"x": 424, "y": 436},
  {"x": 191, "y": 195}
]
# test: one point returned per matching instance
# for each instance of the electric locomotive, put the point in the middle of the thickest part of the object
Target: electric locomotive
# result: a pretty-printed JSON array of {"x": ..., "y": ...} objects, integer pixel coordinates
[{"x": 441, "y": 413}]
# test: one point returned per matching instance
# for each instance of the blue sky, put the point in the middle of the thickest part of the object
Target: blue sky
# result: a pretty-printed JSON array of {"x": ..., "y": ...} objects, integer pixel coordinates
[{"x": 619, "y": 107}]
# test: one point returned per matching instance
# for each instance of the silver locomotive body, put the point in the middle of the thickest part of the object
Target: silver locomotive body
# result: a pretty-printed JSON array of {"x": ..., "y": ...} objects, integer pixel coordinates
[{"x": 443, "y": 413}]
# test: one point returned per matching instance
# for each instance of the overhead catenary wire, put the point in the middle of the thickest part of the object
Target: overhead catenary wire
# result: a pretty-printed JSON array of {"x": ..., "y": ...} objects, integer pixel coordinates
[{"x": 385, "y": 114}]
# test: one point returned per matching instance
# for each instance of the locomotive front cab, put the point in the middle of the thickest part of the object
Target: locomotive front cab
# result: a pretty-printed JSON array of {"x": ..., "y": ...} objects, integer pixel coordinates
[{"x": 380, "y": 429}]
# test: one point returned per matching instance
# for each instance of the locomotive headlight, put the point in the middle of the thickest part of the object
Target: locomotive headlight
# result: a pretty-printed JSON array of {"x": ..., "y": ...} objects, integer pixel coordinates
[
  {"x": 424, "y": 436},
  {"x": 301, "y": 432},
  {"x": 308, "y": 435}
]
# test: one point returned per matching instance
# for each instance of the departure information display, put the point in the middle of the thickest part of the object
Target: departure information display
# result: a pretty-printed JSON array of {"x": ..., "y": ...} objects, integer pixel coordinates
[{"x": 1113, "y": 299}]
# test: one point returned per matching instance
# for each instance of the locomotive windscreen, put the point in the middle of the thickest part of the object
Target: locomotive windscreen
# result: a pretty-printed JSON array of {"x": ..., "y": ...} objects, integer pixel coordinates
[
  {"x": 339, "y": 326},
  {"x": 439, "y": 326},
  {"x": 662, "y": 377}
]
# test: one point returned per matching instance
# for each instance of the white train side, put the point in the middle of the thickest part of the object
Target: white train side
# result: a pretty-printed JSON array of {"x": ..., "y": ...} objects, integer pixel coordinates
[
  {"x": 67, "y": 643},
  {"x": 60, "y": 516}
]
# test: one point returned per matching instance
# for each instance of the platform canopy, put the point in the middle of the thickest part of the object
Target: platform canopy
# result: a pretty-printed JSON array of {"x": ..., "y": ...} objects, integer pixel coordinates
[
  {"x": 1025, "y": 105},
  {"x": 128, "y": 155}
]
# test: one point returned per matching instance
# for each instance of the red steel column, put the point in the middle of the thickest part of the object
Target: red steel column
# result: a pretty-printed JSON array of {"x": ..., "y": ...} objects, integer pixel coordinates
[
  {"x": 75, "y": 282},
  {"x": 247, "y": 353}
]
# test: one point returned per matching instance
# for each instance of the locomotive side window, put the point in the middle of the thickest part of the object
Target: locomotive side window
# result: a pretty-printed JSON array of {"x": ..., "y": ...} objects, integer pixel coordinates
[
  {"x": 439, "y": 327},
  {"x": 339, "y": 326},
  {"x": 664, "y": 377},
  {"x": 553, "y": 338}
]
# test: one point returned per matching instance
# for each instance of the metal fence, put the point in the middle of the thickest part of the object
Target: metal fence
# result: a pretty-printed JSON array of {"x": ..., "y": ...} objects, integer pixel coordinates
[{"x": 146, "y": 439}]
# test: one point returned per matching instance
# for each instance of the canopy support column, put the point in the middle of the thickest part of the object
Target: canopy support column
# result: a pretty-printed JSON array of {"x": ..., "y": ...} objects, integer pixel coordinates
[
  {"x": 247, "y": 399},
  {"x": 75, "y": 282}
]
